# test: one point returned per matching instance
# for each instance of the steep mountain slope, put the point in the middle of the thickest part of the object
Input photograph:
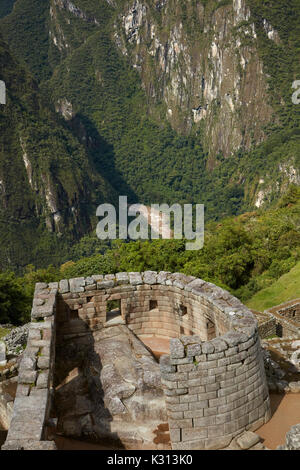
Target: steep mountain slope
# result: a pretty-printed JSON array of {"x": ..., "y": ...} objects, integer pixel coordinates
[
  {"x": 46, "y": 179},
  {"x": 284, "y": 289},
  {"x": 6, "y": 7},
  {"x": 171, "y": 101}
]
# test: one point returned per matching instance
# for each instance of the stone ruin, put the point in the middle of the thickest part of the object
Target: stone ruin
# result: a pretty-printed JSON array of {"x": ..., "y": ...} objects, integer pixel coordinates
[{"x": 86, "y": 372}]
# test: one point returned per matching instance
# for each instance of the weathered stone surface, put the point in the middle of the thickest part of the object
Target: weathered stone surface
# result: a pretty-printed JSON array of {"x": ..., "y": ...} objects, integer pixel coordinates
[
  {"x": 294, "y": 387},
  {"x": 24, "y": 444},
  {"x": 162, "y": 277},
  {"x": 63, "y": 286},
  {"x": 43, "y": 362},
  {"x": 53, "y": 285},
  {"x": 135, "y": 279},
  {"x": 295, "y": 358},
  {"x": 77, "y": 284},
  {"x": 27, "y": 376},
  {"x": 247, "y": 440},
  {"x": 7, "y": 395},
  {"x": 43, "y": 380},
  {"x": 28, "y": 363},
  {"x": 194, "y": 349},
  {"x": 165, "y": 366},
  {"x": 150, "y": 277},
  {"x": 122, "y": 278},
  {"x": 196, "y": 283},
  {"x": 126, "y": 388},
  {"x": 106, "y": 284},
  {"x": 176, "y": 349},
  {"x": 47, "y": 309},
  {"x": 293, "y": 438},
  {"x": 2, "y": 353},
  {"x": 28, "y": 418},
  {"x": 89, "y": 281}
]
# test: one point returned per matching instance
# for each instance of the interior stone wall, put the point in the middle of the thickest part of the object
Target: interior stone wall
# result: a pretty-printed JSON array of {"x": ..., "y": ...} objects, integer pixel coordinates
[
  {"x": 291, "y": 310},
  {"x": 32, "y": 405}
]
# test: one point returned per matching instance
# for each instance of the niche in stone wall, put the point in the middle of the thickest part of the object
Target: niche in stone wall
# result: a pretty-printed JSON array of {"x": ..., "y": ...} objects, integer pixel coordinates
[
  {"x": 113, "y": 309},
  {"x": 210, "y": 329},
  {"x": 152, "y": 304},
  {"x": 183, "y": 311}
]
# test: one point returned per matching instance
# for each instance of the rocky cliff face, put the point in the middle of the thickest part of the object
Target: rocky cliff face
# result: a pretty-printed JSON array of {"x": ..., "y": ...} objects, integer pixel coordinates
[
  {"x": 201, "y": 61},
  {"x": 197, "y": 59},
  {"x": 46, "y": 180}
]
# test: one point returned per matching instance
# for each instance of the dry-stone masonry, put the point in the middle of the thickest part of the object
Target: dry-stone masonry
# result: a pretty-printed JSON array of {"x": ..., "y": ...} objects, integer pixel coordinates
[
  {"x": 287, "y": 317},
  {"x": 292, "y": 439},
  {"x": 2, "y": 353},
  {"x": 214, "y": 380}
]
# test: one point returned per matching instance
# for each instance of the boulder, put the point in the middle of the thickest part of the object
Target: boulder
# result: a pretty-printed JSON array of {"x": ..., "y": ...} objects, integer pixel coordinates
[
  {"x": 295, "y": 358},
  {"x": 295, "y": 387}
]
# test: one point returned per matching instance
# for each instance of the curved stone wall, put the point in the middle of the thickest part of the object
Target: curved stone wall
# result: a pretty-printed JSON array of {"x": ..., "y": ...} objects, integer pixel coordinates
[{"x": 214, "y": 379}]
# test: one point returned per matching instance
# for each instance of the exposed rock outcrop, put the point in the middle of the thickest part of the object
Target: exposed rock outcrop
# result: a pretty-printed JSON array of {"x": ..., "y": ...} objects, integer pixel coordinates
[
  {"x": 208, "y": 73},
  {"x": 117, "y": 387}
]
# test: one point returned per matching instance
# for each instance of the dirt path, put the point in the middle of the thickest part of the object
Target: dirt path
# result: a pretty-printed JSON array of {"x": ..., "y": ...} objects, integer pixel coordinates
[{"x": 285, "y": 413}]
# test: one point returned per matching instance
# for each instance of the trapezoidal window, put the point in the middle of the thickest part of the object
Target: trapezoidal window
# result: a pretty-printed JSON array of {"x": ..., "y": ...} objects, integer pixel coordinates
[
  {"x": 183, "y": 311},
  {"x": 210, "y": 330},
  {"x": 152, "y": 304},
  {"x": 113, "y": 309}
]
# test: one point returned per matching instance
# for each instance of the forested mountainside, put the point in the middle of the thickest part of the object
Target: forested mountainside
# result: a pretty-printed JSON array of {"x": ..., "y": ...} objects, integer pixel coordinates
[
  {"x": 47, "y": 182},
  {"x": 162, "y": 100}
]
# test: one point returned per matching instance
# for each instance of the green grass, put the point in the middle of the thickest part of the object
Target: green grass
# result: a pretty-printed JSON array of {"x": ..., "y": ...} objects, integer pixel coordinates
[
  {"x": 4, "y": 332},
  {"x": 286, "y": 288}
]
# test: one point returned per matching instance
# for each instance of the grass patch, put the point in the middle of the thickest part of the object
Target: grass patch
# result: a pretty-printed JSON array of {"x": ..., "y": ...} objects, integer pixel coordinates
[
  {"x": 286, "y": 288},
  {"x": 4, "y": 332}
]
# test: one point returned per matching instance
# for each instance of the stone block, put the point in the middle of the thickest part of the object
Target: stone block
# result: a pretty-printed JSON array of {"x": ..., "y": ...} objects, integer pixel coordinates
[
  {"x": 77, "y": 285},
  {"x": 188, "y": 398},
  {"x": 43, "y": 380},
  {"x": 150, "y": 277},
  {"x": 122, "y": 278},
  {"x": 215, "y": 443},
  {"x": 208, "y": 348},
  {"x": 102, "y": 285},
  {"x": 28, "y": 418},
  {"x": 28, "y": 363},
  {"x": 194, "y": 350},
  {"x": 175, "y": 435},
  {"x": 27, "y": 377},
  {"x": 193, "y": 434},
  {"x": 3, "y": 360},
  {"x": 43, "y": 362},
  {"x": 180, "y": 423},
  {"x": 205, "y": 421},
  {"x": 247, "y": 440},
  {"x": 165, "y": 366},
  {"x": 176, "y": 349}
]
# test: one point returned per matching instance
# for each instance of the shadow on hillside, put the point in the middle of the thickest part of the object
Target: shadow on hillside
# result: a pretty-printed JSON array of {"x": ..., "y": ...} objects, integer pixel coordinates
[{"x": 101, "y": 154}]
